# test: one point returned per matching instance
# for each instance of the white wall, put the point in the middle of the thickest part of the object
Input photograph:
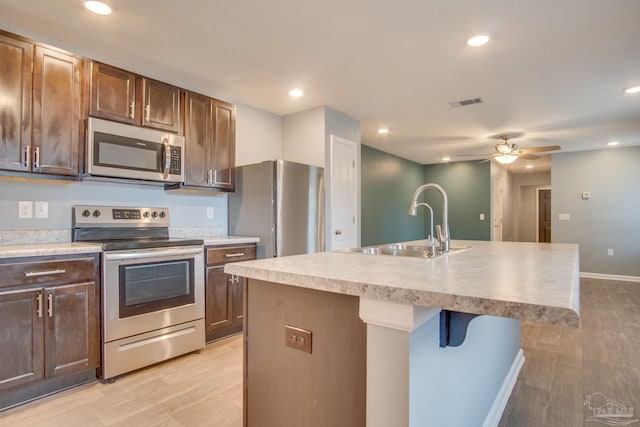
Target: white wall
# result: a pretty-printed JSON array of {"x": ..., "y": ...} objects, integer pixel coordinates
[
  {"x": 303, "y": 137},
  {"x": 258, "y": 135}
]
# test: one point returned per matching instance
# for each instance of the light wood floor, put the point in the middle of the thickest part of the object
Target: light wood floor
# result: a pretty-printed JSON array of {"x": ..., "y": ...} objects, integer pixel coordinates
[
  {"x": 563, "y": 366},
  {"x": 193, "y": 390}
]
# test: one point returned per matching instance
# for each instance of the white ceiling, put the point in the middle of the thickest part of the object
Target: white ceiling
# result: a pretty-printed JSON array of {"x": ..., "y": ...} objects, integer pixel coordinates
[{"x": 554, "y": 70}]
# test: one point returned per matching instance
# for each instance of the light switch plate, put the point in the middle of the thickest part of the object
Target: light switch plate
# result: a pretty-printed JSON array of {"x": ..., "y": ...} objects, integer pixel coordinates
[
  {"x": 481, "y": 217},
  {"x": 25, "y": 209},
  {"x": 564, "y": 217},
  {"x": 586, "y": 195},
  {"x": 42, "y": 210},
  {"x": 210, "y": 212}
]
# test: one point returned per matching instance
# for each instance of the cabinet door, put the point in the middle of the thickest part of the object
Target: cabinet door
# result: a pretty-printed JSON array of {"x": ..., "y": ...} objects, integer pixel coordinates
[
  {"x": 224, "y": 147},
  {"x": 237, "y": 309},
  {"x": 71, "y": 336},
  {"x": 16, "y": 60},
  {"x": 113, "y": 94},
  {"x": 218, "y": 297},
  {"x": 21, "y": 338},
  {"x": 161, "y": 106},
  {"x": 198, "y": 134},
  {"x": 57, "y": 112}
]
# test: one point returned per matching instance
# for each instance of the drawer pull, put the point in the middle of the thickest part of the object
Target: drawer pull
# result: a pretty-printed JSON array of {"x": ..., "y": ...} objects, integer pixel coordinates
[
  {"x": 235, "y": 255},
  {"x": 50, "y": 305},
  {"x": 43, "y": 273}
]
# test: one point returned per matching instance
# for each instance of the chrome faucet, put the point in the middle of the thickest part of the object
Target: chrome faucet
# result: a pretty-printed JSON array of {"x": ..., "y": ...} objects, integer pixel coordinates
[{"x": 442, "y": 231}]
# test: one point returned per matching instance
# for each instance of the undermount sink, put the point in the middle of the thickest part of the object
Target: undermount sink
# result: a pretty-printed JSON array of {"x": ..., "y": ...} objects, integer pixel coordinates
[{"x": 397, "y": 249}]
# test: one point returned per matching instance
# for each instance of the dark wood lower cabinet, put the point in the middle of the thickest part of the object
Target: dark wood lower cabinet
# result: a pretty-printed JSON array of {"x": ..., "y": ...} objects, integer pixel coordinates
[
  {"x": 50, "y": 325},
  {"x": 223, "y": 292}
]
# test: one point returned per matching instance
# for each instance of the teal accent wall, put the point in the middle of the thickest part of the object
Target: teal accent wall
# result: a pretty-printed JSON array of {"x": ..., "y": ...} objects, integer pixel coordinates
[
  {"x": 387, "y": 184},
  {"x": 468, "y": 187}
]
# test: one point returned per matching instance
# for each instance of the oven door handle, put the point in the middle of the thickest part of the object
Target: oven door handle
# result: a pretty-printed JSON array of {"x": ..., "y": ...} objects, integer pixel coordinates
[{"x": 144, "y": 253}]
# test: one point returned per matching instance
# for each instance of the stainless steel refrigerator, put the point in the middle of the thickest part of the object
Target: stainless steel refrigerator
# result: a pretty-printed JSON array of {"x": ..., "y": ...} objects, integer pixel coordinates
[{"x": 282, "y": 203}]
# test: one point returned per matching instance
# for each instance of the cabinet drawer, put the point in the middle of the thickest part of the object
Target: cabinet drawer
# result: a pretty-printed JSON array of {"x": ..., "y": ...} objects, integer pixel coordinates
[
  {"x": 224, "y": 255},
  {"x": 52, "y": 272}
]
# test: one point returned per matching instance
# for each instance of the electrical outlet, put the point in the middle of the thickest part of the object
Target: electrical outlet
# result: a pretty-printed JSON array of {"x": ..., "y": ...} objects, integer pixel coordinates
[
  {"x": 297, "y": 338},
  {"x": 481, "y": 217},
  {"x": 210, "y": 213},
  {"x": 25, "y": 209},
  {"x": 42, "y": 210},
  {"x": 609, "y": 252}
]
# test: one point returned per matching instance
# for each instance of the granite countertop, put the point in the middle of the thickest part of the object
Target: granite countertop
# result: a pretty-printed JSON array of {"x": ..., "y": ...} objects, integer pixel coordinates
[
  {"x": 69, "y": 248},
  {"x": 526, "y": 281},
  {"x": 15, "y": 251}
]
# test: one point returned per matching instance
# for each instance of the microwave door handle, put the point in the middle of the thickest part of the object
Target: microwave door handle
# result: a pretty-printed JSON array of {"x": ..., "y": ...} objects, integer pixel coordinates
[{"x": 167, "y": 157}]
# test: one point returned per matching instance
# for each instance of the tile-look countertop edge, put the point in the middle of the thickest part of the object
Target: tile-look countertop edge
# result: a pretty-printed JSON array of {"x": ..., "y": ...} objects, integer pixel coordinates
[{"x": 494, "y": 278}]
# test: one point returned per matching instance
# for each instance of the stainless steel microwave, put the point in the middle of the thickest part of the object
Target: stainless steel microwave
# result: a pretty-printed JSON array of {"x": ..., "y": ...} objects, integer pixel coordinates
[{"x": 117, "y": 150}]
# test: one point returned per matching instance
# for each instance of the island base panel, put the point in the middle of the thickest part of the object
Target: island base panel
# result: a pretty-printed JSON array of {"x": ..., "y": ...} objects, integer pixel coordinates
[{"x": 288, "y": 387}]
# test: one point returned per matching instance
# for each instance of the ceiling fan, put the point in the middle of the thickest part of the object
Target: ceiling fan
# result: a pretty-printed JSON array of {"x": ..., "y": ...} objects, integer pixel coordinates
[{"x": 507, "y": 152}]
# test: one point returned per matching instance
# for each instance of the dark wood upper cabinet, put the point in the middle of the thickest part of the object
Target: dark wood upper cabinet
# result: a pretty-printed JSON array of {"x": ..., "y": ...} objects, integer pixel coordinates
[
  {"x": 125, "y": 97},
  {"x": 58, "y": 131},
  {"x": 113, "y": 94},
  {"x": 16, "y": 62},
  {"x": 210, "y": 139},
  {"x": 224, "y": 147},
  {"x": 42, "y": 114},
  {"x": 161, "y": 105},
  {"x": 198, "y": 137}
]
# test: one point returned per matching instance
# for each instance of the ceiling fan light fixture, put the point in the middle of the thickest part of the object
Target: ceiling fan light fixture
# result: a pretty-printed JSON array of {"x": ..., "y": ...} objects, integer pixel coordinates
[
  {"x": 446, "y": 159},
  {"x": 382, "y": 131},
  {"x": 506, "y": 159}
]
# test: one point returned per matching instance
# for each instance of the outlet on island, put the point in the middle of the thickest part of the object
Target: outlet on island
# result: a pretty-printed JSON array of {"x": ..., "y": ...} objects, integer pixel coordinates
[{"x": 297, "y": 338}]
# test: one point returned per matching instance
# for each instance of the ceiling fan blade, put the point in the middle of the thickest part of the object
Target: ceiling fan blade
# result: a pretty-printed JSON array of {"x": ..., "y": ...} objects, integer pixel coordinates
[
  {"x": 540, "y": 149},
  {"x": 528, "y": 156},
  {"x": 485, "y": 160},
  {"x": 475, "y": 155}
]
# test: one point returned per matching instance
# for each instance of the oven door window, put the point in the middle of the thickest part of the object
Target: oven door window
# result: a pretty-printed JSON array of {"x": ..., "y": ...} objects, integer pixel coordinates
[{"x": 154, "y": 286}]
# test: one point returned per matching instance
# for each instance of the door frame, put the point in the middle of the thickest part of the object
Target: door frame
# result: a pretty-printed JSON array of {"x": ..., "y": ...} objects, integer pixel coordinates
[
  {"x": 328, "y": 183},
  {"x": 538, "y": 189}
]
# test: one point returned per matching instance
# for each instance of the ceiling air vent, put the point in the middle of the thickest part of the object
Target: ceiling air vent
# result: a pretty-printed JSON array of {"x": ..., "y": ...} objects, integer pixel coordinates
[{"x": 464, "y": 103}]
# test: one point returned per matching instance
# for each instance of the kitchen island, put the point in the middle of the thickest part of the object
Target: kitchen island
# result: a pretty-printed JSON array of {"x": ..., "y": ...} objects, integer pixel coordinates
[{"x": 378, "y": 346}]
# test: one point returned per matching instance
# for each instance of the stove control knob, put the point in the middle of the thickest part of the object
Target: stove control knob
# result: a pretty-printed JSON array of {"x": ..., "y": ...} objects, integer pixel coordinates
[
  {"x": 96, "y": 213},
  {"x": 146, "y": 214},
  {"x": 154, "y": 214},
  {"x": 86, "y": 213},
  {"x": 163, "y": 214}
]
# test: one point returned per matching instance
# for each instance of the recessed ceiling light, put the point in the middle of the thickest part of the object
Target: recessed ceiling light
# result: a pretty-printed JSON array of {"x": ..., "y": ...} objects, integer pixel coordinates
[
  {"x": 632, "y": 89},
  {"x": 98, "y": 7},
  {"x": 446, "y": 159},
  {"x": 383, "y": 130},
  {"x": 529, "y": 166},
  {"x": 296, "y": 93},
  {"x": 612, "y": 143},
  {"x": 478, "y": 40}
]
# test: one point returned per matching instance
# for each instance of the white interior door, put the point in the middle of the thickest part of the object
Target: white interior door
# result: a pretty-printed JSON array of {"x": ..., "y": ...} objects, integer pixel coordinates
[{"x": 344, "y": 194}]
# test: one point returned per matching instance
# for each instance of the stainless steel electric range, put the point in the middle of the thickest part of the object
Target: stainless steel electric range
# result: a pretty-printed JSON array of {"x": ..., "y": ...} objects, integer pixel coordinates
[{"x": 152, "y": 286}]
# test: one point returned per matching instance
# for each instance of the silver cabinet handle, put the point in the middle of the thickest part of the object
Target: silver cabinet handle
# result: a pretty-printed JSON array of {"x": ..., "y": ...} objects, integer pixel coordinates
[
  {"x": 132, "y": 108},
  {"x": 215, "y": 177},
  {"x": 338, "y": 232},
  {"x": 39, "y": 305},
  {"x": 234, "y": 255},
  {"x": 36, "y": 157},
  {"x": 27, "y": 156},
  {"x": 210, "y": 177},
  {"x": 50, "y": 305},
  {"x": 147, "y": 113},
  {"x": 43, "y": 273}
]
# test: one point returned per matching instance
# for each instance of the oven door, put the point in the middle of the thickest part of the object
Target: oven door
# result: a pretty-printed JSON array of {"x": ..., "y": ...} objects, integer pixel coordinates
[{"x": 150, "y": 289}]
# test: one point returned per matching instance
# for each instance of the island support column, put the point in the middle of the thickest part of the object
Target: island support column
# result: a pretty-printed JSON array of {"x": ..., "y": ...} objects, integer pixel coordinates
[{"x": 413, "y": 382}]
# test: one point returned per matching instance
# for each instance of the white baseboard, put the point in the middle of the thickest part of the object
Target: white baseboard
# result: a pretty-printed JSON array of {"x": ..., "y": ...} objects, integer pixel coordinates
[
  {"x": 610, "y": 277},
  {"x": 500, "y": 402}
]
